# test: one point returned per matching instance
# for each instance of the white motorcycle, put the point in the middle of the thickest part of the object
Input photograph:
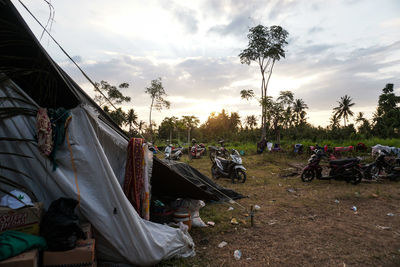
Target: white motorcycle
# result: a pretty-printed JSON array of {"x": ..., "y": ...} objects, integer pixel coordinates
[
  {"x": 173, "y": 153},
  {"x": 229, "y": 168}
]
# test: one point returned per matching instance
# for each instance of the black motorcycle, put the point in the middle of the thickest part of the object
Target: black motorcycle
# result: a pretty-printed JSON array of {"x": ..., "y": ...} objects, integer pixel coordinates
[
  {"x": 348, "y": 170},
  {"x": 382, "y": 164}
]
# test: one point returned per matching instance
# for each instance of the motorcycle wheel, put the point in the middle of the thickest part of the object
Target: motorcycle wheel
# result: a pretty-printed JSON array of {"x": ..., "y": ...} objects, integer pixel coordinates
[
  {"x": 214, "y": 171},
  {"x": 240, "y": 176},
  {"x": 307, "y": 175},
  {"x": 356, "y": 177},
  {"x": 374, "y": 172},
  {"x": 190, "y": 155}
]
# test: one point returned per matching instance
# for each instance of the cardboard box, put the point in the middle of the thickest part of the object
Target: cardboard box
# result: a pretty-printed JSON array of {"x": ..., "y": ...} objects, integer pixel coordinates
[
  {"x": 25, "y": 219},
  {"x": 82, "y": 255},
  {"x": 26, "y": 259}
]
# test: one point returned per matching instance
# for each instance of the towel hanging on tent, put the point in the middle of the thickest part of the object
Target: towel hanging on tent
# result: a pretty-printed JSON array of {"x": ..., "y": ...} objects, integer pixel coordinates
[{"x": 134, "y": 175}]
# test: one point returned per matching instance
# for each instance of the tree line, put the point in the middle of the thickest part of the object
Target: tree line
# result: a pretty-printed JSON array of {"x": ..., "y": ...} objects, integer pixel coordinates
[{"x": 284, "y": 117}]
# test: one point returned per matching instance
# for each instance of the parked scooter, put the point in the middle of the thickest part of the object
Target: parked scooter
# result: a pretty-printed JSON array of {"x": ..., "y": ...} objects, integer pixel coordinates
[
  {"x": 218, "y": 151},
  {"x": 348, "y": 170},
  {"x": 229, "y": 168},
  {"x": 196, "y": 151},
  {"x": 381, "y": 164},
  {"x": 173, "y": 153}
]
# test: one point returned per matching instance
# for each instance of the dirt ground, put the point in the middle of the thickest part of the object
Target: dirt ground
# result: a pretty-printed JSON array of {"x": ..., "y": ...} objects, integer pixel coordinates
[{"x": 298, "y": 224}]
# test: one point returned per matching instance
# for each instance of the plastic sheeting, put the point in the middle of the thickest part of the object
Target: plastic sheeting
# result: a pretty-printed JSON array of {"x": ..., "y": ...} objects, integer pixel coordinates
[
  {"x": 123, "y": 235},
  {"x": 179, "y": 180}
]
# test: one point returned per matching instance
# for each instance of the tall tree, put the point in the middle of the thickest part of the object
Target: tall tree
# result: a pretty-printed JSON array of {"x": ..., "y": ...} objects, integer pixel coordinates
[
  {"x": 117, "y": 115},
  {"x": 247, "y": 94},
  {"x": 387, "y": 115},
  {"x": 131, "y": 119},
  {"x": 190, "y": 122},
  {"x": 141, "y": 125},
  {"x": 365, "y": 126},
  {"x": 299, "y": 111},
  {"x": 168, "y": 124},
  {"x": 343, "y": 110},
  {"x": 360, "y": 117},
  {"x": 157, "y": 94},
  {"x": 334, "y": 121},
  {"x": 234, "y": 122},
  {"x": 265, "y": 47},
  {"x": 251, "y": 121},
  {"x": 286, "y": 99},
  {"x": 110, "y": 96}
]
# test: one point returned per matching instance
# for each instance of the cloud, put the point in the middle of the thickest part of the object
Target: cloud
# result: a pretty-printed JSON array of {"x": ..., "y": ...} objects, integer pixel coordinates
[
  {"x": 187, "y": 17},
  {"x": 315, "y": 29},
  {"x": 336, "y": 77},
  {"x": 238, "y": 26}
]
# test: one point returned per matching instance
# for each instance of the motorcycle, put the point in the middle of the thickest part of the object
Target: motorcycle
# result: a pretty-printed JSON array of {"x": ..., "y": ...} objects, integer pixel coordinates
[
  {"x": 348, "y": 170},
  {"x": 382, "y": 164},
  {"x": 173, "y": 153},
  {"x": 231, "y": 168},
  {"x": 197, "y": 151},
  {"x": 218, "y": 151},
  {"x": 395, "y": 174}
]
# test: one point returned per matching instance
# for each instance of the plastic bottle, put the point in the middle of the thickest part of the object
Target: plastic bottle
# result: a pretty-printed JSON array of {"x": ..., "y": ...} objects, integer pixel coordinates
[{"x": 237, "y": 254}]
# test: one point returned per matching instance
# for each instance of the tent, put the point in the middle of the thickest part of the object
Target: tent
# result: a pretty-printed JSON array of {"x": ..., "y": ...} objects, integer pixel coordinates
[
  {"x": 30, "y": 79},
  {"x": 185, "y": 181}
]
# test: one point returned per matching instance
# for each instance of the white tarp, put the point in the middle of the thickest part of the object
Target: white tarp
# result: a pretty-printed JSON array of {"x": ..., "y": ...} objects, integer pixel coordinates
[{"x": 99, "y": 155}]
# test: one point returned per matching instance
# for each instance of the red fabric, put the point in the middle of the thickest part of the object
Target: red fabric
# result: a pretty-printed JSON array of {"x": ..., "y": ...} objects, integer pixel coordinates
[{"x": 134, "y": 174}]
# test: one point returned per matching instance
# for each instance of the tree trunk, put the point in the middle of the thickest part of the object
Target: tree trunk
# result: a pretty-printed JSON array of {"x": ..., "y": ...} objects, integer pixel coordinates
[
  {"x": 188, "y": 139},
  {"x": 170, "y": 136},
  {"x": 278, "y": 136},
  {"x": 151, "y": 126}
]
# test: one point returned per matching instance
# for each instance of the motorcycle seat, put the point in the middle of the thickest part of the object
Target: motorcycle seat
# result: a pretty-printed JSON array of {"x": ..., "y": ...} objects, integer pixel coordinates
[{"x": 343, "y": 161}]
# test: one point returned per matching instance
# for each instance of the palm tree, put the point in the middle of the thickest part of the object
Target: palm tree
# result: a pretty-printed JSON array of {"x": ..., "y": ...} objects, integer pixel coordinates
[
  {"x": 286, "y": 100},
  {"x": 234, "y": 121},
  {"x": 360, "y": 117},
  {"x": 141, "y": 125},
  {"x": 299, "y": 112},
  {"x": 131, "y": 119},
  {"x": 334, "y": 121},
  {"x": 190, "y": 122},
  {"x": 170, "y": 122},
  {"x": 251, "y": 121},
  {"x": 343, "y": 110}
]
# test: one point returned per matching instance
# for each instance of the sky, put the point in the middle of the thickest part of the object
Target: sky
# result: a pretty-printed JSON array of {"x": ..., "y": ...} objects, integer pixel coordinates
[{"x": 334, "y": 48}]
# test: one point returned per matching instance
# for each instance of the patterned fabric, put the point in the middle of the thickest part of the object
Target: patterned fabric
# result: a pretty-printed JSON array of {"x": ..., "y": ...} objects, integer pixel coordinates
[
  {"x": 134, "y": 175},
  {"x": 60, "y": 119},
  {"x": 44, "y": 132}
]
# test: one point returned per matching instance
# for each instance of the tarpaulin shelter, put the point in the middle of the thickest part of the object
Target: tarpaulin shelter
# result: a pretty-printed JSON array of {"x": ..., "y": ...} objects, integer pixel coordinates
[
  {"x": 30, "y": 79},
  {"x": 184, "y": 181}
]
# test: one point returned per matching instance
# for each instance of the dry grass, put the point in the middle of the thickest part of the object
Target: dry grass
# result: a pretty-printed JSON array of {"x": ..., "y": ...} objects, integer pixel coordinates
[{"x": 302, "y": 227}]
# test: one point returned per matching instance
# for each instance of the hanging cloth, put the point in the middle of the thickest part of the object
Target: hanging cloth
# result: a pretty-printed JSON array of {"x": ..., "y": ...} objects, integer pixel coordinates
[
  {"x": 44, "y": 132},
  {"x": 134, "y": 174},
  {"x": 60, "y": 119}
]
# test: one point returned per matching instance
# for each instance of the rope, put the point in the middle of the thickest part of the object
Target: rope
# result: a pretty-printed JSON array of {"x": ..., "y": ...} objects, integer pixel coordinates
[{"x": 73, "y": 163}]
